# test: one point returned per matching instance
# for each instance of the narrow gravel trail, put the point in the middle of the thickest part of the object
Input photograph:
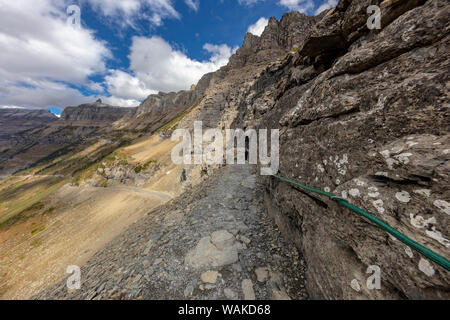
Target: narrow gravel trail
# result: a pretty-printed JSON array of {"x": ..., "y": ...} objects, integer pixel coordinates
[
  {"x": 213, "y": 242},
  {"x": 162, "y": 195}
]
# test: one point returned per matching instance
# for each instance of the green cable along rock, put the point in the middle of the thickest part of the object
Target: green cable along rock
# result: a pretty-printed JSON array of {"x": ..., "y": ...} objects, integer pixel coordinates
[{"x": 430, "y": 254}]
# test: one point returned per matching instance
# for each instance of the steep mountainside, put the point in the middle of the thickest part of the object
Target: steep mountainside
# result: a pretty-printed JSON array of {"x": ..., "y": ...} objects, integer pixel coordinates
[
  {"x": 362, "y": 113},
  {"x": 158, "y": 109},
  {"x": 13, "y": 121},
  {"x": 146, "y": 163},
  {"x": 78, "y": 127}
]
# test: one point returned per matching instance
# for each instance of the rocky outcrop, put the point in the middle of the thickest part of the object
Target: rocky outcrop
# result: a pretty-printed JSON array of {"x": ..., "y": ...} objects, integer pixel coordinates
[
  {"x": 216, "y": 250},
  {"x": 159, "y": 109},
  {"x": 365, "y": 114},
  {"x": 277, "y": 37}
]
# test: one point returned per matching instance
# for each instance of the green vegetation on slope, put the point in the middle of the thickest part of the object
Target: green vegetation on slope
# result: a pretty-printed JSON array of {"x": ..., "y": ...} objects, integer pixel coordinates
[{"x": 22, "y": 200}]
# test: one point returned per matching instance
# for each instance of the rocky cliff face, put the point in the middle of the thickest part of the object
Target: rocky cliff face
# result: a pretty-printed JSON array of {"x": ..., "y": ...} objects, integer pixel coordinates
[
  {"x": 160, "y": 108},
  {"x": 223, "y": 89},
  {"x": 96, "y": 112},
  {"x": 364, "y": 114},
  {"x": 278, "y": 36}
]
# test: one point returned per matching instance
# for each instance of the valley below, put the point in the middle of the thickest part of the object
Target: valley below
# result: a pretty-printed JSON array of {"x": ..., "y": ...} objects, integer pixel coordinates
[{"x": 64, "y": 226}]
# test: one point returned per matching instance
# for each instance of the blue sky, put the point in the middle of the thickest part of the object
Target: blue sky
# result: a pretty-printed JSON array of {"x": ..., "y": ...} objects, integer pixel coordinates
[{"x": 122, "y": 51}]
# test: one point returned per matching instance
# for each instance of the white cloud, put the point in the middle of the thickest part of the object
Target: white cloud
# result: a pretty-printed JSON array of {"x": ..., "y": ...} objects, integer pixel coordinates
[
  {"x": 42, "y": 94},
  {"x": 119, "y": 102},
  {"x": 303, "y": 6},
  {"x": 95, "y": 87},
  {"x": 193, "y": 4},
  {"x": 259, "y": 26},
  {"x": 328, "y": 4},
  {"x": 156, "y": 66},
  {"x": 43, "y": 61},
  {"x": 126, "y": 11},
  {"x": 297, "y": 5},
  {"x": 248, "y": 2},
  {"x": 162, "y": 68},
  {"x": 220, "y": 54},
  {"x": 114, "y": 7},
  {"x": 40, "y": 53},
  {"x": 125, "y": 86}
]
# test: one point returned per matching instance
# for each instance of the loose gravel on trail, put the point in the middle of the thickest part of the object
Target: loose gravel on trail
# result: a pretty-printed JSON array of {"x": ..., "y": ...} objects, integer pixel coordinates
[{"x": 213, "y": 242}]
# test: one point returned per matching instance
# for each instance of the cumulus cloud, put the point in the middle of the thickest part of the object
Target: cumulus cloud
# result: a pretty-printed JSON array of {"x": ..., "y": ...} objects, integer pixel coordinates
[
  {"x": 44, "y": 61},
  {"x": 220, "y": 54},
  {"x": 123, "y": 85},
  {"x": 156, "y": 66},
  {"x": 119, "y": 102},
  {"x": 128, "y": 11},
  {"x": 41, "y": 54},
  {"x": 162, "y": 68},
  {"x": 114, "y": 7},
  {"x": 42, "y": 94},
  {"x": 328, "y": 4},
  {"x": 298, "y": 5},
  {"x": 259, "y": 26}
]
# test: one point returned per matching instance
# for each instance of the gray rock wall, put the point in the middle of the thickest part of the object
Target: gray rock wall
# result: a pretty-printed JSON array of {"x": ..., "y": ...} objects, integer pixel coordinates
[{"x": 365, "y": 115}]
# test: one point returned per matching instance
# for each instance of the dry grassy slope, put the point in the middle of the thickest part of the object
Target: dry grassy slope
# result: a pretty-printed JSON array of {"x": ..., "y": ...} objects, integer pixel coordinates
[
  {"x": 63, "y": 210},
  {"x": 48, "y": 223}
]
